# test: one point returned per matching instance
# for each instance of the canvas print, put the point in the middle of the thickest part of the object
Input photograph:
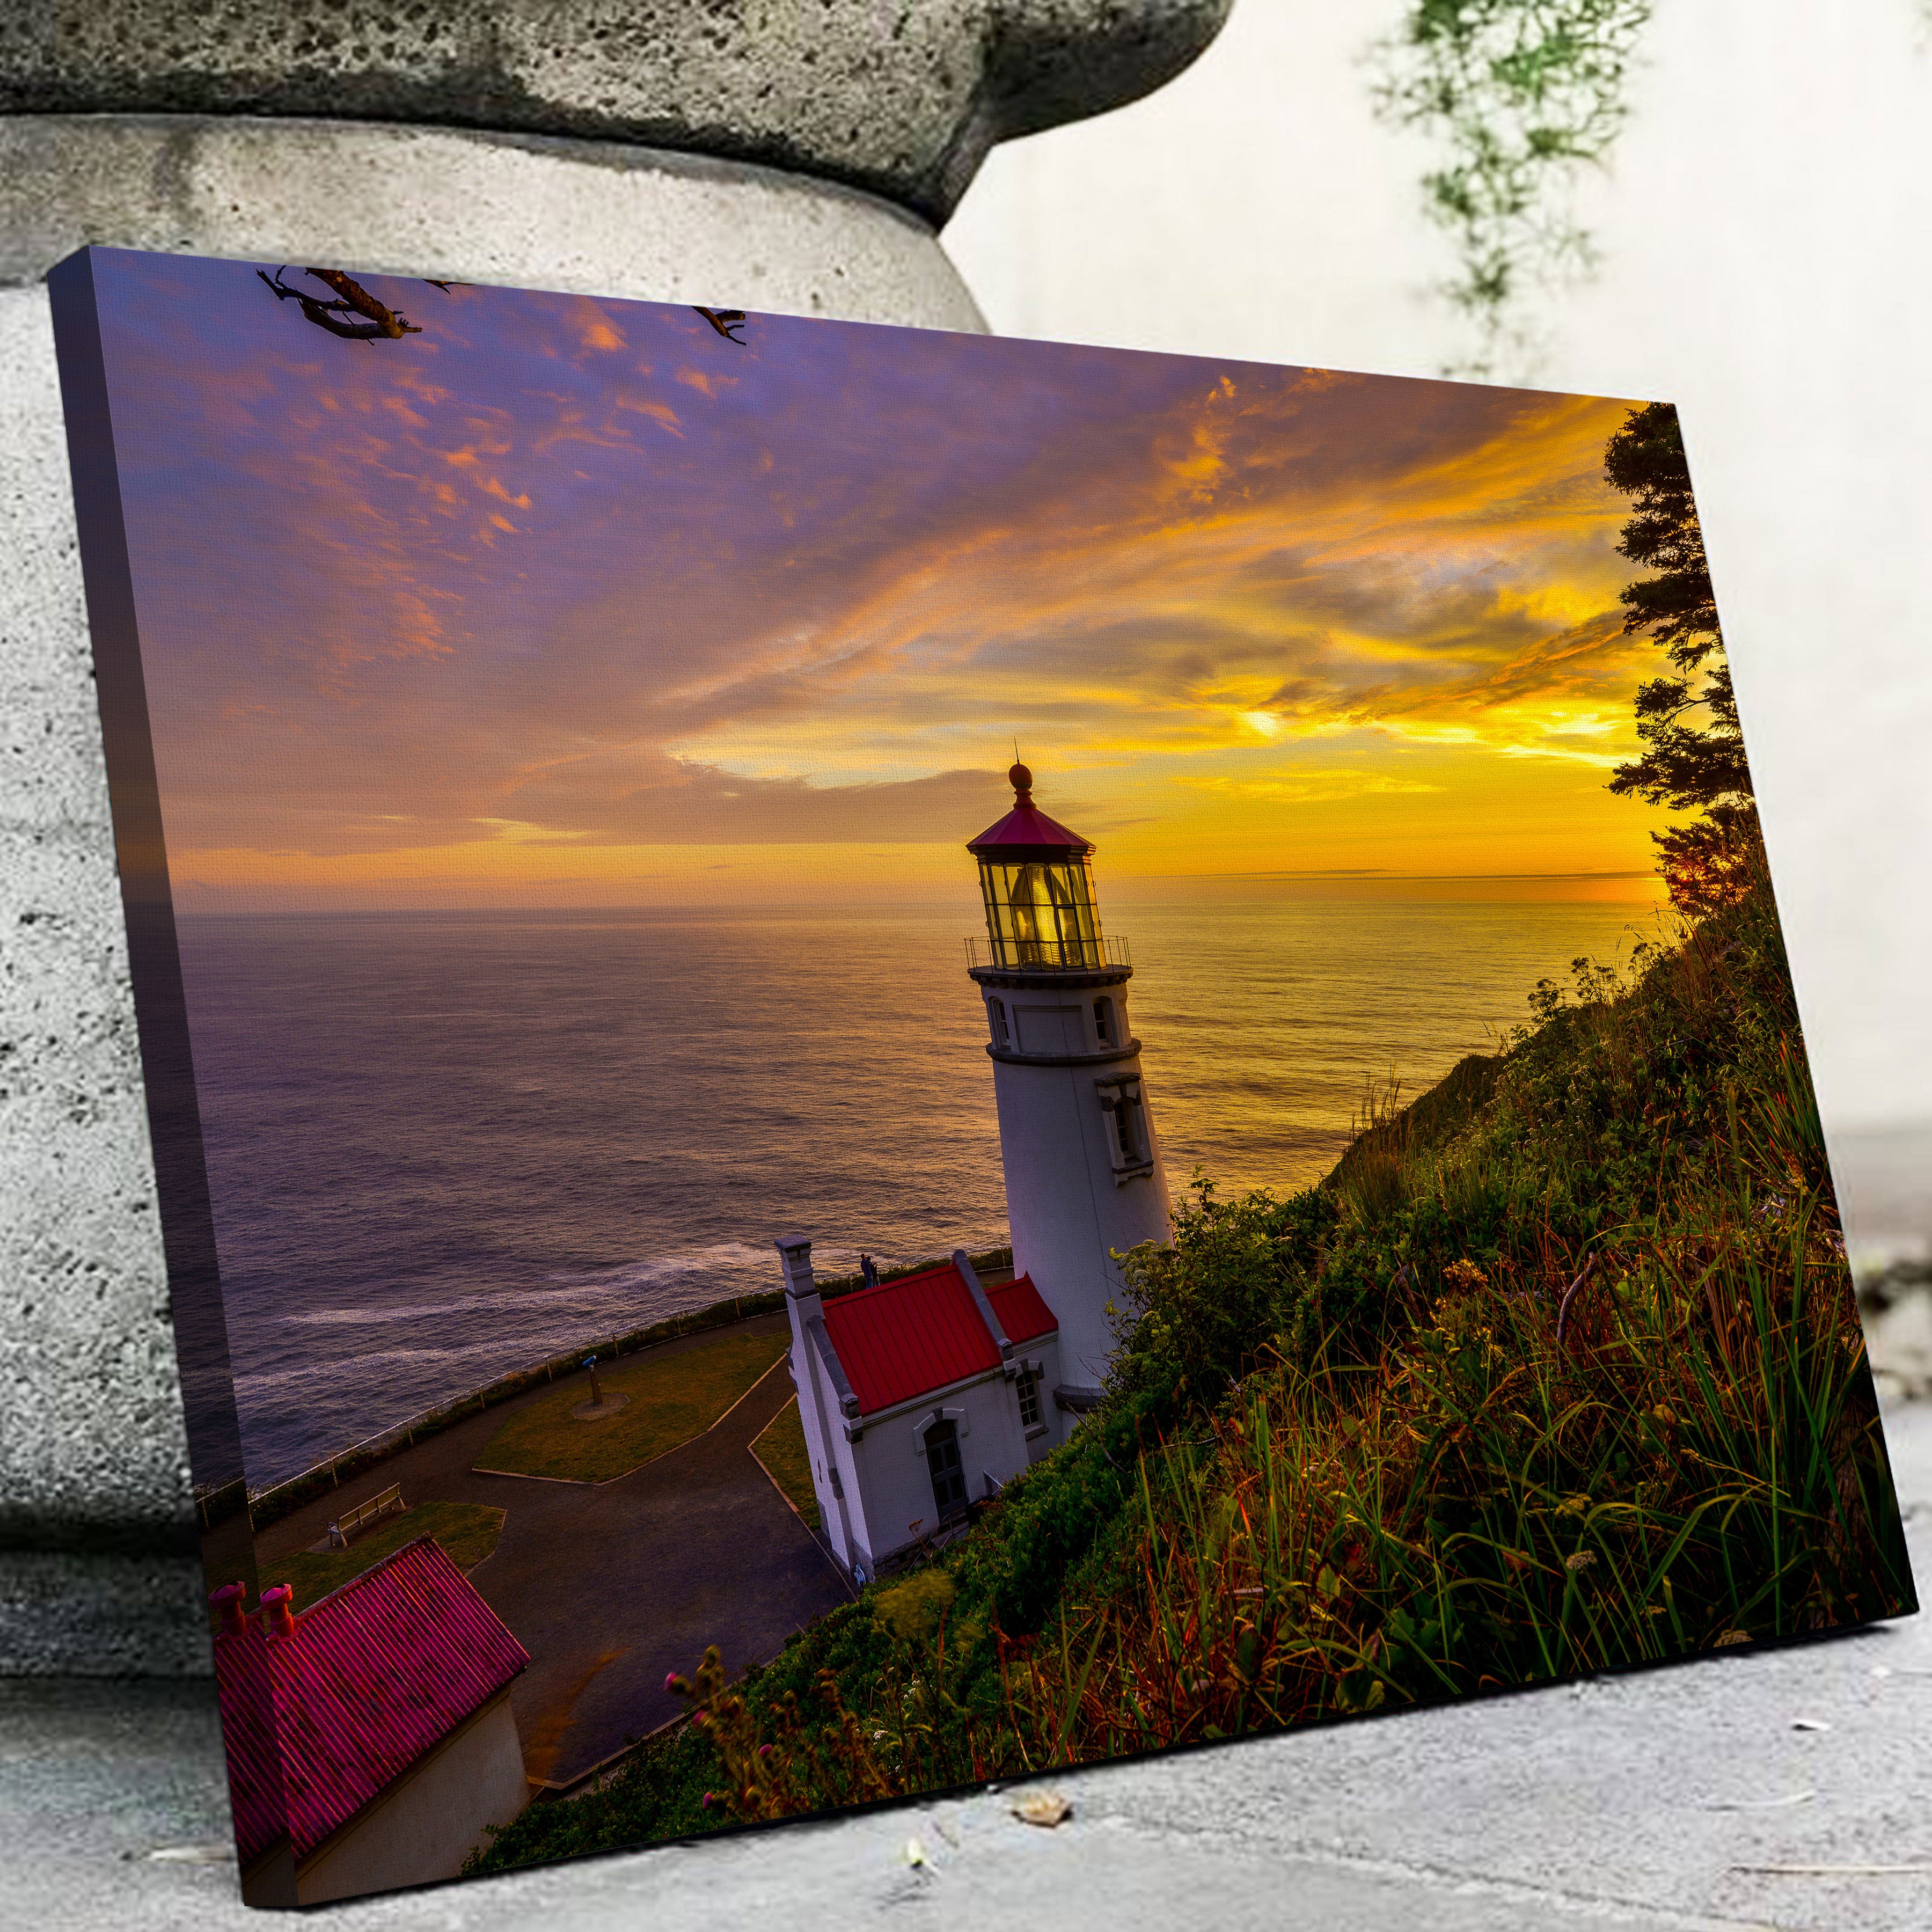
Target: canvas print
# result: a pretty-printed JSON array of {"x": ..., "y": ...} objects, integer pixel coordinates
[{"x": 881, "y": 1059}]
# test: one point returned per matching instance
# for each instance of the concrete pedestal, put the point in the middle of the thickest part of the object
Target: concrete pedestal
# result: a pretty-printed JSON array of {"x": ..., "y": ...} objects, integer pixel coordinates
[{"x": 781, "y": 157}]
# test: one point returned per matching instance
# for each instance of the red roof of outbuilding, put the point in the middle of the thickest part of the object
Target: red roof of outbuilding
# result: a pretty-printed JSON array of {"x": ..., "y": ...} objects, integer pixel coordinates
[
  {"x": 1022, "y": 1314},
  {"x": 372, "y": 1678},
  {"x": 901, "y": 1339}
]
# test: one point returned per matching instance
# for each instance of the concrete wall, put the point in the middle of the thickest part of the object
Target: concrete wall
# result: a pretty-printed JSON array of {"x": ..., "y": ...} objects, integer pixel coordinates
[
  {"x": 432, "y": 1819},
  {"x": 789, "y": 160}
]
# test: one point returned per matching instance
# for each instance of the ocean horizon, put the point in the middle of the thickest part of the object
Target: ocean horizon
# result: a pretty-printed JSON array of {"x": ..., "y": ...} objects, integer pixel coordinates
[{"x": 442, "y": 1144}]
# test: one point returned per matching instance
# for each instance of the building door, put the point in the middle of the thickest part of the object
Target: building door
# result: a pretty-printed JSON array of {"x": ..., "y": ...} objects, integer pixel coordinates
[{"x": 949, "y": 1475}]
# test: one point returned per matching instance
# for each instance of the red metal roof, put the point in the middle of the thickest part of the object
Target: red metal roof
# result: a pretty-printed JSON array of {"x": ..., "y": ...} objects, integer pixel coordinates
[
  {"x": 901, "y": 1339},
  {"x": 248, "y": 1736},
  {"x": 371, "y": 1679},
  {"x": 1022, "y": 1314},
  {"x": 1026, "y": 832}
]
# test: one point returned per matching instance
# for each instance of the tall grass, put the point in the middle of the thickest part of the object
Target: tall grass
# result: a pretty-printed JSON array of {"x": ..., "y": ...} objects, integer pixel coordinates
[
  {"x": 1560, "y": 1372},
  {"x": 1692, "y": 1460}
]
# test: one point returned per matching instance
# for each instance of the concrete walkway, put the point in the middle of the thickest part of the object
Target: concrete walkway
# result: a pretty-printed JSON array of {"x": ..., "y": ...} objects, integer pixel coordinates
[
  {"x": 1654, "y": 1802},
  {"x": 609, "y": 1586}
]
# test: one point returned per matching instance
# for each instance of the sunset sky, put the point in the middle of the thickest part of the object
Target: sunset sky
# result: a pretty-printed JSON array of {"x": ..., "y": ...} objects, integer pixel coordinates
[{"x": 570, "y": 602}]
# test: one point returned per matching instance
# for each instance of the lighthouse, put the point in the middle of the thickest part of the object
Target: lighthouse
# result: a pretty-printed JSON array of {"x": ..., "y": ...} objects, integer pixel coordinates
[{"x": 1084, "y": 1174}]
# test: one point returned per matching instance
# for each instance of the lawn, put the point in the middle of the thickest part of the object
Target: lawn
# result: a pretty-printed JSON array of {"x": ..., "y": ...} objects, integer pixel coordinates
[
  {"x": 672, "y": 1397},
  {"x": 782, "y": 1450},
  {"x": 467, "y": 1532}
]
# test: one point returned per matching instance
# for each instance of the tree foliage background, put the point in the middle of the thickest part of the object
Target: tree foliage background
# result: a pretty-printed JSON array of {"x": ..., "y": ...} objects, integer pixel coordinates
[
  {"x": 1524, "y": 94},
  {"x": 1692, "y": 751}
]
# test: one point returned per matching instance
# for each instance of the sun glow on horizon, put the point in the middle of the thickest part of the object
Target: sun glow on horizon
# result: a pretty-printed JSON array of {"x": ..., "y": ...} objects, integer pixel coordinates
[{"x": 569, "y": 597}]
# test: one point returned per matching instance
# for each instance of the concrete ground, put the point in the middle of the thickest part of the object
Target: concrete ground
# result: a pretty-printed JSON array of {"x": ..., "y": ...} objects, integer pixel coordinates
[
  {"x": 1789, "y": 1789},
  {"x": 610, "y": 1586}
]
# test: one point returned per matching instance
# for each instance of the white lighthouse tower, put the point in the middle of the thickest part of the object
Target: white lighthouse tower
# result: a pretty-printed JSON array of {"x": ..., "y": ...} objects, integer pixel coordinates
[{"x": 1083, "y": 1166}]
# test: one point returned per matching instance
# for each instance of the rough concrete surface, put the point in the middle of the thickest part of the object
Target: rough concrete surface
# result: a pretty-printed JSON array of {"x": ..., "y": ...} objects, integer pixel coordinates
[
  {"x": 91, "y": 1448},
  {"x": 902, "y": 97},
  {"x": 1655, "y": 1801},
  {"x": 443, "y": 138},
  {"x": 90, "y": 1437},
  {"x": 604, "y": 219}
]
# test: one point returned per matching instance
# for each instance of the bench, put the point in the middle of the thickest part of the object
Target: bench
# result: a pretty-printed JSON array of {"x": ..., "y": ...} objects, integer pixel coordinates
[{"x": 346, "y": 1524}]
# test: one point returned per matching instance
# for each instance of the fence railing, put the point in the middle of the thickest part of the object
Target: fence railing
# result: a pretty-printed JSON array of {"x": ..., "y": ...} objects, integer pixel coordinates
[{"x": 1047, "y": 955}]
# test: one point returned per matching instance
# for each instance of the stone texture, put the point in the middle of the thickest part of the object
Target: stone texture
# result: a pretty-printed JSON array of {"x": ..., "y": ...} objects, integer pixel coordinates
[
  {"x": 91, "y": 1438},
  {"x": 901, "y": 96},
  {"x": 1650, "y": 1801},
  {"x": 584, "y": 215},
  {"x": 427, "y": 137}
]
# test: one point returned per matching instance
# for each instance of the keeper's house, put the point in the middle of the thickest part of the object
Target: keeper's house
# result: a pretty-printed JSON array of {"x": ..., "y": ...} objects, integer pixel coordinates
[
  {"x": 918, "y": 1397},
  {"x": 370, "y": 1740}
]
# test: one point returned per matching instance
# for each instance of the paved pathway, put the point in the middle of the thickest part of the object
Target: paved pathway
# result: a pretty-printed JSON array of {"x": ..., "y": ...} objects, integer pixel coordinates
[{"x": 610, "y": 1586}]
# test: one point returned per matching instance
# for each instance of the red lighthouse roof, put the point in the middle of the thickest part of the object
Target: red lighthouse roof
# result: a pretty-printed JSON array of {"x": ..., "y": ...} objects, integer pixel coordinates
[
  {"x": 925, "y": 1331},
  {"x": 1026, "y": 834},
  {"x": 320, "y": 1720}
]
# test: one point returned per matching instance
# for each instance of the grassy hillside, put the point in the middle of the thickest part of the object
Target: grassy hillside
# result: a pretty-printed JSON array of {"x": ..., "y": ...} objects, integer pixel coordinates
[{"x": 1560, "y": 1372}]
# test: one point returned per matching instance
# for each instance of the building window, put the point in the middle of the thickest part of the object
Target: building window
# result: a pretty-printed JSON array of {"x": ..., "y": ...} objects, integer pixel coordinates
[
  {"x": 1103, "y": 1021},
  {"x": 997, "y": 1010},
  {"x": 1121, "y": 1102},
  {"x": 1028, "y": 1386},
  {"x": 949, "y": 1476}
]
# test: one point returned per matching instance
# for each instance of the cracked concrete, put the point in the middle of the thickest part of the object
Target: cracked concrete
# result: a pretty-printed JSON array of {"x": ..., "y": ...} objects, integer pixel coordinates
[{"x": 1656, "y": 1801}]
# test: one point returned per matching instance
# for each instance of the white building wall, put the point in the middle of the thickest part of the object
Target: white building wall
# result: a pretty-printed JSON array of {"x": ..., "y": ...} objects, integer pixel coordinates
[
  {"x": 1068, "y": 1208},
  {"x": 431, "y": 1819},
  {"x": 890, "y": 1471},
  {"x": 818, "y": 1401}
]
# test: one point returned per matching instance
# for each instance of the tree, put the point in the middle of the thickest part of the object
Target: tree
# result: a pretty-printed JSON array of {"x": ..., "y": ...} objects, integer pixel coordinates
[{"x": 1693, "y": 751}]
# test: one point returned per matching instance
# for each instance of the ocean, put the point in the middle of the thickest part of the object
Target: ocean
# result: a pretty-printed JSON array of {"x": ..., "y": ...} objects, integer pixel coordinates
[{"x": 442, "y": 1144}]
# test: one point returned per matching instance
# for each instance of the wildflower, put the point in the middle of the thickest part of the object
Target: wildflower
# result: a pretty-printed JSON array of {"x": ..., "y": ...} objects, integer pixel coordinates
[
  {"x": 1581, "y": 1560},
  {"x": 764, "y": 1750},
  {"x": 704, "y": 1803},
  {"x": 1730, "y": 1636}
]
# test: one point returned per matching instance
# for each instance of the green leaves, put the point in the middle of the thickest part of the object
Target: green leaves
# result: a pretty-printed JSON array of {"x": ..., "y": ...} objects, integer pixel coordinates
[{"x": 1522, "y": 94}]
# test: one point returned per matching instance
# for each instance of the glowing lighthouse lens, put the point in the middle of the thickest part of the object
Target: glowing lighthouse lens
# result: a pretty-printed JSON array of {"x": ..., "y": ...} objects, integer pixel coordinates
[{"x": 1041, "y": 914}]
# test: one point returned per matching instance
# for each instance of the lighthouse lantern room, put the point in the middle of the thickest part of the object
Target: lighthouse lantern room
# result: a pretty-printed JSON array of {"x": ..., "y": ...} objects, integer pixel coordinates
[{"x": 1084, "y": 1176}]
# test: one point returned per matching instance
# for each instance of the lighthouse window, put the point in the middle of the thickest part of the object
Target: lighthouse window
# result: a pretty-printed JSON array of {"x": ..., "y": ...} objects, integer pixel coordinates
[
  {"x": 1028, "y": 1387},
  {"x": 1123, "y": 1127},
  {"x": 1103, "y": 1021},
  {"x": 1002, "y": 1036}
]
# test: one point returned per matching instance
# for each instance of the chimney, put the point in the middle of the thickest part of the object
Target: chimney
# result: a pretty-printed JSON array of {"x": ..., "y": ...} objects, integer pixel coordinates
[
  {"x": 278, "y": 1612},
  {"x": 232, "y": 1600},
  {"x": 795, "y": 1251}
]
